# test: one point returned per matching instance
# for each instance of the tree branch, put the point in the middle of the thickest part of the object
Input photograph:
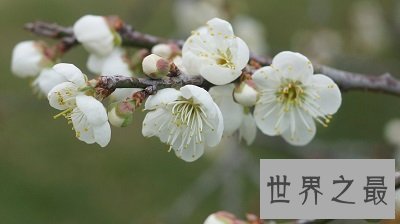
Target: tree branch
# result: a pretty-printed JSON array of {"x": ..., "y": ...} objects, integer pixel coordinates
[{"x": 130, "y": 37}]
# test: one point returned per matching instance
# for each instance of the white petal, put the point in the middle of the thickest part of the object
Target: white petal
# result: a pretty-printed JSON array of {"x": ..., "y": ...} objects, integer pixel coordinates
[
  {"x": 47, "y": 79},
  {"x": 248, "y": 129},
  {"x": 302, "y": 128},
  {"x": 219, "y": 75},
  {"x": 243, "y": 53},
  {"x": 161, "y": 98},
  {"x": 153, "y": 120},
  {"x": 62, "y": 96},
  {"x": 267, "y": 78},
  {"x": 199, "y": 96},
  {"x": 191, "y": 153},
  {"x": 220, "y": 26},
  {"x": 94, "y": 110},
  {"x": 26, "y": 59},
  {"x": 94, "y": 34},
  {"x": 271, "y": 118},
  {"x": 116, "y": 64},
  {"x": 95, "y": 63},
  {"x": 293, "y": 66},
  {"x": 330, "y": 97},
  {"x": 232, "y": 112},
  {"x": 102, "y": 134},
  {"x": 213, "y": 136},
  {"x": 71, "y": 73},
  {"x": 82, "y": 127},
  {"x": 190, "y": 62}
]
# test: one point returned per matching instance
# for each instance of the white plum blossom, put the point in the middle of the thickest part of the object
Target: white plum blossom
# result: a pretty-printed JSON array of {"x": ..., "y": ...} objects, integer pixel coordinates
[
  {"x": 59, "y": 73},
  {"x": 291, "y": 98},
  {"x": 28, "y": 59},
  {"x": 96, "y": 36},
  {"x": 187, "y": 119},
  {"x": 236, "y": 117},
  {"x": 87, "y": 115},
  {"x": 214, "y": 52}
]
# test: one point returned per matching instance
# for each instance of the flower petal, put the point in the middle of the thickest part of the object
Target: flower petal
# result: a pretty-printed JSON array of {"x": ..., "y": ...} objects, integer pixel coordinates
[
  {"x": 243, "y": 53},
  {"x": 219, "y": 75},
  {"x": 161, "y": 98},
  {"x": 102, "y": 134},
  {"x": 191, "y": 153},
  {"x": 232, "y": 112},
  {"x": 94, "y": 110},
  {"x": 199, "y": 96},
  {"x": 293, "y": 66},
  {"x": 71, "y": 73},
  {"x": 267, "y": 78},
  {"x": 248, "y": 129},
  {"x": 214, "y": 135},
  {"x": 302, "y": 128},
  {"x": 95, "y": 63},
  {"x": 330, "y": 97},
  {"x": 271, "y": 118},
  {"x": 94, "y": 34},
  {"x": 82, "y": 127},
  {"x": 62, "y": 96},
  {"x": 153, "y": 120},
  {"x": 47, "y": 79}
]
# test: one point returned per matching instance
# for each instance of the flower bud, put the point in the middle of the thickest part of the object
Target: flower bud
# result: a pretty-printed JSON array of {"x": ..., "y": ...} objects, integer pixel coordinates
[
  {"x": 166, "y": 50},
  {"x": 245, "y": 94},
  {"x": 120, "y": 114},
  {"x": 222, "y": 218},
  {"x": 155, "y": 66},
  {"x": 95, "y": 34},
  {"x": 28, "y": 59}
]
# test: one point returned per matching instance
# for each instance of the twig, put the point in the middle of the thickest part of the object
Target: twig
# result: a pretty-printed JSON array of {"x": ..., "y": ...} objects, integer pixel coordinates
[{"x": 385, "y": 83}]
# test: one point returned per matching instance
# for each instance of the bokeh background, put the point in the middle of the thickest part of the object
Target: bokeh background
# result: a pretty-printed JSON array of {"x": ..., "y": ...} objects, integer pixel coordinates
[{"x": 47, "y": 176}]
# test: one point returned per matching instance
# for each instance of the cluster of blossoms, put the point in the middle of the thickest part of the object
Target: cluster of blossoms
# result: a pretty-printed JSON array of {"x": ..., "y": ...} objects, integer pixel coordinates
[{"x": 284, "y": 98}]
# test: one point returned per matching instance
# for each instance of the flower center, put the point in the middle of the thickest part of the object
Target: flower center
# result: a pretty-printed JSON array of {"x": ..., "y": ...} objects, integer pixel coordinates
[
  {"x": 225, "y": 59},
  {"x": 189, "y": 121},
  {"x": 291, "y": 92}
]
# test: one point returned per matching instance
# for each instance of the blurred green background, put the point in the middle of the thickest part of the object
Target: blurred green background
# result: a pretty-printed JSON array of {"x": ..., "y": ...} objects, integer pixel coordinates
[{"x": 47, "y": 176}]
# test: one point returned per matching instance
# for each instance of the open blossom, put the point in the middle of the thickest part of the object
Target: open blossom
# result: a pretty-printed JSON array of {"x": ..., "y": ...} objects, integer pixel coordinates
[
  {"x": 186, "y": 119},
  {"x": 87, "y": 115},
  {"x": 236, "y": 117},
  {"x": 96, "y": 36},
  {"x": 28, "y": 59},
  {"x": 59, "y": 73},
  {"x": 214, "y": 52},
  {"x": 291, "y": 98}
]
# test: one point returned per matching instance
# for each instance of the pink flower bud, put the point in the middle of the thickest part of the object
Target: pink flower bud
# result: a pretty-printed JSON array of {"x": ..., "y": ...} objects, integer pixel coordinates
[
  {"x": 155, "y": 67},
  {"x": 120, "y": 114}
]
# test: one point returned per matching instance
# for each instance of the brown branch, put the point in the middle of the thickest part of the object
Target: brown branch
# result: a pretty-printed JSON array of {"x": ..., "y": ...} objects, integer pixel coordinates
[{"x": 130, "y": 37}]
